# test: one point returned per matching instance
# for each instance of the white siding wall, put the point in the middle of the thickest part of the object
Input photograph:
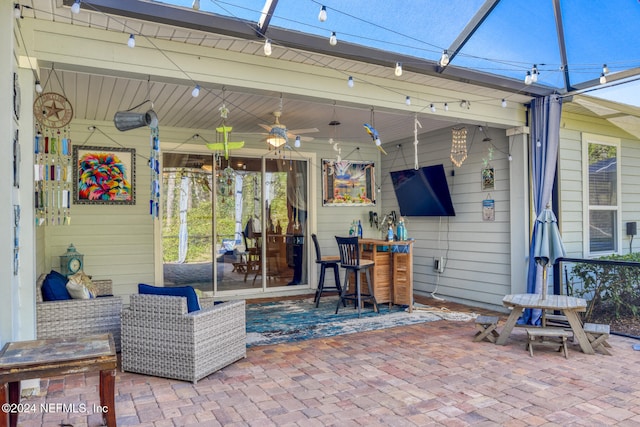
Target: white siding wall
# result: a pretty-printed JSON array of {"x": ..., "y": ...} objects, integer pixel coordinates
[{"x": 476, "y": 252}]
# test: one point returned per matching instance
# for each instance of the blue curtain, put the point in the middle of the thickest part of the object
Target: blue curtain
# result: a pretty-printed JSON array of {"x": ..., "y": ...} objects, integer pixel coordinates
[{"x": 545, "y": 140}]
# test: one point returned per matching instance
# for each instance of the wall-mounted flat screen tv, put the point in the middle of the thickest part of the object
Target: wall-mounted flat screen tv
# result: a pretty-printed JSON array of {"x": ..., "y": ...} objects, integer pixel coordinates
[{"x": 423, "y": 192}]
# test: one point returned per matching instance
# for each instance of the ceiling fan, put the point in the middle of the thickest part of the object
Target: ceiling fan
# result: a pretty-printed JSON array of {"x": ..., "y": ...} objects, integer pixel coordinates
[{"x": 279, "y": 134}]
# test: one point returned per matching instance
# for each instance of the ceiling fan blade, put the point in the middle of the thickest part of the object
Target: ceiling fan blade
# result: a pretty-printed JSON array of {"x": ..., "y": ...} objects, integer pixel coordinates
[
  {"x": 306, "y": 138},
  {"x": 299, "y": 131},
  {"x": 266, "y": 127}
]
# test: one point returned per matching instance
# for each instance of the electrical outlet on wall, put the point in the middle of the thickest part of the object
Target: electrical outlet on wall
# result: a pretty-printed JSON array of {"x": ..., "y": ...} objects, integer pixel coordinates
[{"x": 438, "y": 264}]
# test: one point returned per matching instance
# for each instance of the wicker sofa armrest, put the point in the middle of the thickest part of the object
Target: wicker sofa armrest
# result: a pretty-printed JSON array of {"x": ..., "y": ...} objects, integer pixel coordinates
[{"x": 160, "y": 338}]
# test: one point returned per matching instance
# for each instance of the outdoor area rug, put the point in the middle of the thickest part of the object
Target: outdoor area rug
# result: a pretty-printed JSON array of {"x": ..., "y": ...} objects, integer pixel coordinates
[{"x": 295, "y": 320}]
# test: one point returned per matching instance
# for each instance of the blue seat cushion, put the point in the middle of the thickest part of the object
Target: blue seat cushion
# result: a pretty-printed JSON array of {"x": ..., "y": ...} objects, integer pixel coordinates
[
  {"x": 54, "y": 287},
  {"x": 178, "y": 291}
]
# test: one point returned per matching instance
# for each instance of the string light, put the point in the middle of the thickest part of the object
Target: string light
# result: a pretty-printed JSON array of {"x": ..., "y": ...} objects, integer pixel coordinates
[
  {"x": 333, "y": 40},
  {"x": 444, "y": 59},
  {"x": 527, "y": 78},
  {"x": 504, "y": 103},
  {"x": 605, "y": 69},
  {"x": 17, "y": 11},
  {"x": 196, "y": 5},
  {"x": 38, "y": 86},
  {"x": 603, "y": 79},
  {"x": 350, "y": 82},
  {"x": 458, "y": 146},
  {"x": 446, "y": 107},
  {"x": 398, "y": 70},
  {"x": 132, "y": 41},
  {"x": 432, "y": 107},
  {"x": 322, "y": 16},
  {"x": 534, "y": 74},
  {"x": 75, "y": 8},
  {"x": 407, "y": 100},
  {"x": 267, "y": 47},
  {"x": 196, "y": 91},
  {"x": 297, "y": 142}
]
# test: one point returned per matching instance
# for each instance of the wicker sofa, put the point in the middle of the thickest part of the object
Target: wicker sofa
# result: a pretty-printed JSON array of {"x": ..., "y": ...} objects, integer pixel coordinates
[
  {"x": 160, "y": 338},
  {"x": 77, "y": 317}
]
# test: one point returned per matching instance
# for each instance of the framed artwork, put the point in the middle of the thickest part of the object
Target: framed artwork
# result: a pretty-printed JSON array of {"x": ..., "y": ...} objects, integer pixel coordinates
[
  {"x": 488, "y": 210},
  {"x": 488, "y": 178},
  {"x": 104, "y": 175},
  {"x": 348, "y": 183}
]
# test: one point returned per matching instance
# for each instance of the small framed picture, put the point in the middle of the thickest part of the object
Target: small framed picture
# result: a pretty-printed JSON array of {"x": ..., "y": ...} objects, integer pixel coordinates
[
  {"x": 488, "y": 178},
  {"x": 488, "y": 210}
]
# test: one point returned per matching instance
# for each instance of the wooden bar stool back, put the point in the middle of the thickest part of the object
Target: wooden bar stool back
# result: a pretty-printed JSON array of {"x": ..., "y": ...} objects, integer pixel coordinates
[
  {"x": 349, "y": 250},
  {"x": 326, "y": 262}
]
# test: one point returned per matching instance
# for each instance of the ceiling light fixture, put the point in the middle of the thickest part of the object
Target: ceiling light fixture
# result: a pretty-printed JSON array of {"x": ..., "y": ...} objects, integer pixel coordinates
[
  {"x": 603, "y": 79},
  {"x": 333, "y": 40},
  {"x": 132, "y": 41},
  {"x": 444, "y": 59},
  {"x": 605, "y": 69},
  {"x": 350, "y": 82},
  {"x": 322, "y": 16},
  {"x": 407, "y": 100},
  {"x": 196, "y": 4},
  {"x": 267, "y": 47},
  {"x": 398, "y": 70},
  {"x": 196, "y": 91},
  {"x": 38, "y": 86},
  {"x": 75, "y": 8}
]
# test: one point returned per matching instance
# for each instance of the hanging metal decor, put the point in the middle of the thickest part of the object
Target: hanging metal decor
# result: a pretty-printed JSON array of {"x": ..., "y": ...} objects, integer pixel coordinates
[
  {"x": 52, "y": 151},
  {"x": 458, "y": 146},
  {"x": 154, "y": 165}
]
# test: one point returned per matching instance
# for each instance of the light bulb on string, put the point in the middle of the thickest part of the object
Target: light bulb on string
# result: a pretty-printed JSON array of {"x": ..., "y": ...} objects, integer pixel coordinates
[
  {"x": 322, "y": 16},
  {"x": 603, "y": 79},
  {"x": 398, "y": 70},
  {"x": 132, "y": 41},
  {"x": 17, "y": 11},
  {"x": 38, "y": 86},
  {"x": 267, "y": 47},
  {"x": 534, "y": 73},
  {"x": 444, "y": 59},
  {"x": 333, "y": 40},
  {"x": 350, "y": 82},
  {"x": 196, "y": 91},
  {"x": 432, "y": 107},
  {"x": 196, "y": 5},
  {"x": 297, "y": 142},
  {"x": 527, "y": 78},
  {"x": 510, "y": 157},
  {"x": 407, "y": 100},
  {"x": 605, "y": 69},
  {"x": 504, "y": 103},
  {"x": 75, "y": 7},
  {"x": 378, "y": 142},
  {"x": 446, "y": 107}
]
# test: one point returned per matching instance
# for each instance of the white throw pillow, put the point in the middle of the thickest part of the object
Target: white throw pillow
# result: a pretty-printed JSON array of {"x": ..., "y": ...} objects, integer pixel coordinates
[{"x": 78, "y": 290}]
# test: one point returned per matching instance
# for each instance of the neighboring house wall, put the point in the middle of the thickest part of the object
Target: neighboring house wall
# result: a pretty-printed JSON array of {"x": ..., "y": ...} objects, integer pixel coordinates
[
  {"x": 571, "y": 176},
  {"x": 477, "y": 253}
]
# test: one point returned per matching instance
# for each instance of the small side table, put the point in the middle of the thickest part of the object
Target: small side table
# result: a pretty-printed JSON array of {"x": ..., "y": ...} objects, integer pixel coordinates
[{"x": 24, "y": 360}]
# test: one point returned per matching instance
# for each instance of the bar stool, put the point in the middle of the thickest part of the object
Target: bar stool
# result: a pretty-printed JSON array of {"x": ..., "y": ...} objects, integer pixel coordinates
[
  {"x": 350, "y": 260},
  {"x": 326, "y": 262}
]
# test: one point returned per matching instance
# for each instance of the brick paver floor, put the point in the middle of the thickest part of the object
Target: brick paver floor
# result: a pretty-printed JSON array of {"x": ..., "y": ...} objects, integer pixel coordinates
[{"x": 419, "y": 375}]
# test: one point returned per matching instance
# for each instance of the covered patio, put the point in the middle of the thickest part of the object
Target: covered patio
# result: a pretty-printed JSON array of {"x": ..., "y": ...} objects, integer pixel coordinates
[{"x": 387, "y": 377}]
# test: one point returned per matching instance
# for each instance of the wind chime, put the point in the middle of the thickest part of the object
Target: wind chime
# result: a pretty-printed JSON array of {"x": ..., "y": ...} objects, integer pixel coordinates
[
  {"x": 52, "y": 157},
  {"x": 154, "y": 164}
]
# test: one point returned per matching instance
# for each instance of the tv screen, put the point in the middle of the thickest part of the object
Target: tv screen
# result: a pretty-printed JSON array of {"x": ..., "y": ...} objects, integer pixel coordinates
[{"x": 423, "y": 192}]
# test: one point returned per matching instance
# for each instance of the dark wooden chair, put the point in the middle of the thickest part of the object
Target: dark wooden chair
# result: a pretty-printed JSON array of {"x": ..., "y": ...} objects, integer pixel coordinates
[
  {"x": 326, "y": 262},
  {"x": 350, "y": 260}
]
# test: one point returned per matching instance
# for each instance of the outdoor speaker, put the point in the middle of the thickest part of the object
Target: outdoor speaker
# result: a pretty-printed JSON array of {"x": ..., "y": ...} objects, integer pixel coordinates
[
  {"x": 632, "y": 228},
  {"x": 127, "y": 120}
]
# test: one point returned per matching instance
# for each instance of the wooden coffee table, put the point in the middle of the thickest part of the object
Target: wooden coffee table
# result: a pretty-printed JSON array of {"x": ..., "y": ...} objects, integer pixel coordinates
[{"x": 23, "y": 360}]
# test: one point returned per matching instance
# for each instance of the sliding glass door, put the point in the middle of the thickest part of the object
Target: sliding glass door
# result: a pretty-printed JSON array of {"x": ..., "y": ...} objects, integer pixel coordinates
[{"x": 235, "y": 226}]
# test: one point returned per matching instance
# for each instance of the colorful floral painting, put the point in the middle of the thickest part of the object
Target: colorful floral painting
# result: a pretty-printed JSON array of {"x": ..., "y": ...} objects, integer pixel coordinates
[
  {"x": 104, "y": 175},
  {"x": 348, "y": 183}
]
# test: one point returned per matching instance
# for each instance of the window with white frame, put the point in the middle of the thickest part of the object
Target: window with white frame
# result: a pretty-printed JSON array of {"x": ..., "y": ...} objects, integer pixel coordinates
[{"x": 601, "y": 194}]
